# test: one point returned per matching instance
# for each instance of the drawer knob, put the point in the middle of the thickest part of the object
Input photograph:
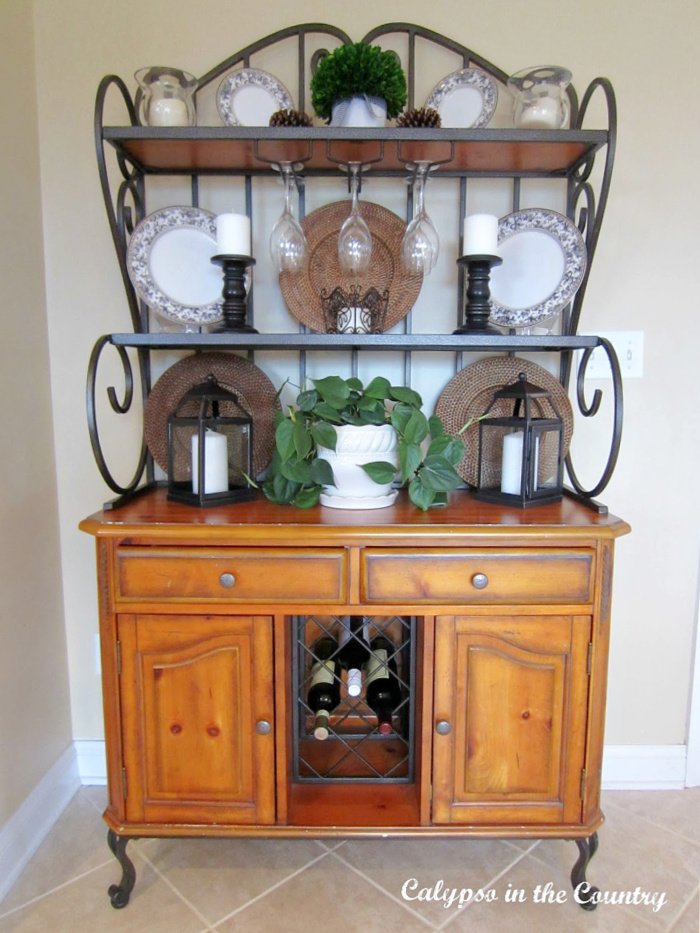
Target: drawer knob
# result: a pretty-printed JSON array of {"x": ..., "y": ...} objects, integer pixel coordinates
[
  {"x": 227, "y": 580},
  {"x": 263, "y": 727},
  {"x": 480, "y": 581},
  {"x": 443, "y": 727}
]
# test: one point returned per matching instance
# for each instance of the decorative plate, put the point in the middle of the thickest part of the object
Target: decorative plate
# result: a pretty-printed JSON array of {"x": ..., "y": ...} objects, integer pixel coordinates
[
  {"x": 544, "y": 260},
  {"x": 468, "y": 394},
  {"x": 250, "y": 97},
  {"x": 169, "y": 263},
  {"x": 256, "y": 395},
  {"x": 465, "y": 98},
  {"x": 321, "y": 272}
]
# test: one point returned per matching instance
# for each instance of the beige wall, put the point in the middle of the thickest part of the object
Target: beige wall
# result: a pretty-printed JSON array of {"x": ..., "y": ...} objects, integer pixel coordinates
[
  {"x": 35, "y": 722},
  {"x": 643, "y": 279}
]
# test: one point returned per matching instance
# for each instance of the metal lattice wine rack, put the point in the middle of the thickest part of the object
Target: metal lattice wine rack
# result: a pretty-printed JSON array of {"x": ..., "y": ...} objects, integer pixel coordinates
[{"x": 354, "y": 750}]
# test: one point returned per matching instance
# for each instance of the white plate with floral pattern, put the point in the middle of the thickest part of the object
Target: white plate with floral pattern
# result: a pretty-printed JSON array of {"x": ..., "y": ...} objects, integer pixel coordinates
[
  {"x": 465, "y": 98},
  {"x": 544, "y": 260},
  {"x": 169, "y": 264},
  {"x": 249, "y": 98}
]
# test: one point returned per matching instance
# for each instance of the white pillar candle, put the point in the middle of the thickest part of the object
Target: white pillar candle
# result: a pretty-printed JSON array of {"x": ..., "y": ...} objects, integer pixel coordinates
[
  {"x": 480, "y": 235},
  {"x": 215, "y": 463},
  {"x": 233, "y": 234},
  {"x": 168, "y": 111},
  {"x": 512, "y": 463},
  {"x": 543, "y": 113}
]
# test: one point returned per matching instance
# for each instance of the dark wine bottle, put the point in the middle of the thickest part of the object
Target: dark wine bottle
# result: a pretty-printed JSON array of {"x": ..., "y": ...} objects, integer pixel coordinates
[
  {"x": 382, "y": 687},
  {"x": 324, "y": 691},
  {"x": 354, "y": 651}
]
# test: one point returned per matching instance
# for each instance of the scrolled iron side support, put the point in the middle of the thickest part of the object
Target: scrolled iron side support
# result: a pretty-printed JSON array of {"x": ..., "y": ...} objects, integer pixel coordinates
[
  {"x": 119, "y": 406},
  {"x": 589, "y": 410},
  {"x": 119, "y": 894}
]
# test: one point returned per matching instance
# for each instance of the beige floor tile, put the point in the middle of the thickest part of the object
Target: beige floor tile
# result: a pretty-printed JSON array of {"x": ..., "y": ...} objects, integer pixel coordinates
[
  {"x": 455, "y": 863},
  {"x": 219, "y": 875},
  {"x": 678, "y": 810},
  {"x": 633, "y": 854},
  {"x": 689, "y": 920},
  {"x": 84, "y": 907},
  {"x": 528, "y": 912},
  {"x": 96, "y": 794},
  {"x": 76, "y": 844},
  {"x": 328, "y": 894}
]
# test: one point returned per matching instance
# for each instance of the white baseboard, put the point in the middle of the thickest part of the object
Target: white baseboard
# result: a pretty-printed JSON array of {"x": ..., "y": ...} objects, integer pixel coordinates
[
  {"x": 644, "y": 767},
  {"x": 27, "y": 828},
  {"x": 625, "y": 767}
]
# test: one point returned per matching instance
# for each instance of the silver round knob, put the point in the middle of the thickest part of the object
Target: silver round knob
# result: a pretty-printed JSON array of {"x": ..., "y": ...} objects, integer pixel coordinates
[
  {"x": 227, "y": 580},
  {"x": 263, "y": 727},
  {"x": 480, "y": 581},
  {"x": 443, "y": 727}
]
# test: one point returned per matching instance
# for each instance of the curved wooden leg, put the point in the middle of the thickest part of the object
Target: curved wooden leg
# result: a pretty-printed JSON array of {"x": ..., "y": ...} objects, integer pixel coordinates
[
  {"x": 119, "y": 893},
  {"x": 585, "y": 892}
]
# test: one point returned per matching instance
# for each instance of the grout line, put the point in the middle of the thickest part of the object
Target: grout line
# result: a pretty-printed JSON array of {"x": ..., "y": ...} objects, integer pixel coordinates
[
  {"x": 164, "y": 878},
  {"x": 59, "y": 887},
  {"x": 92, "y": 803},
  {"x": 646, "y": 819},
  {"x": 269, "y": 890},
  {"x": 392, "y": 897},
  {"x": 684, "y": 907},
  {"x": 489, "y": 884}
]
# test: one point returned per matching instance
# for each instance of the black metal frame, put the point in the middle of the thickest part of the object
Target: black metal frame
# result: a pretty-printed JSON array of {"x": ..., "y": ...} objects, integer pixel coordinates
[{"x": 126, "y": 206}]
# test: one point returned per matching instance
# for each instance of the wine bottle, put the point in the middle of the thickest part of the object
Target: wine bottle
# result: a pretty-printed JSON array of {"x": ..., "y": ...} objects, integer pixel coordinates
[
  {"x": 324, "y": 691},
  {"x": 354, "y": 651},
  {"x": 382, "y": 688}
]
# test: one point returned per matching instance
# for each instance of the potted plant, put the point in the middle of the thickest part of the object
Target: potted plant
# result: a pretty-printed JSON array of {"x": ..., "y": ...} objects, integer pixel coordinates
[
  {"x": 363, "y": 73},
  {"x": 422, "y": 455}
]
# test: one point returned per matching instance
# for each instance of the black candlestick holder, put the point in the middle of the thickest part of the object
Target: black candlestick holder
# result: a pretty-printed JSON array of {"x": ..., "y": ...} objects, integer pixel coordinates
[
  {"x": 235, "y": 306},
  {"x": 477, "y": 307}
]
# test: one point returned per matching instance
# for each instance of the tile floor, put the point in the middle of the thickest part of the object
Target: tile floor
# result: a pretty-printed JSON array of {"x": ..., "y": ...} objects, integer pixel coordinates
[{"x": 650, "y": 842}]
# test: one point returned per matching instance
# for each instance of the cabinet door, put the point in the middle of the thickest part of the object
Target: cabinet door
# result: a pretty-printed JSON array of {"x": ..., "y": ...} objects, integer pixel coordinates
[
  {"x": 510, "y": 719},
  {"x": 197, "y": 695}
]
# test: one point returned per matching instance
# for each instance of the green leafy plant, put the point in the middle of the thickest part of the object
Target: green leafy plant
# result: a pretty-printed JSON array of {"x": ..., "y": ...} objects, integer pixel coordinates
[
  {"x": 428, "y": 456},
  {"x": 358, "y": 68}
]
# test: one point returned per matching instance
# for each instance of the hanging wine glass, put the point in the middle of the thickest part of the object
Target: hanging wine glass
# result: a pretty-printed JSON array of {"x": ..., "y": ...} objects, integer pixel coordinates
[
  {"x": 287, "y": 240},
  {"x": 354, "y": 238},
  {"x": 421, "y": 244}
]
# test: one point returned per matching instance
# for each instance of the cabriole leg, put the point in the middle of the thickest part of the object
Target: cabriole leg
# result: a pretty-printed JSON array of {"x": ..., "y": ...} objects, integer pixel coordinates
[
  {"x": 119, "y": 893},
  {"x": 586, "y": 894}
]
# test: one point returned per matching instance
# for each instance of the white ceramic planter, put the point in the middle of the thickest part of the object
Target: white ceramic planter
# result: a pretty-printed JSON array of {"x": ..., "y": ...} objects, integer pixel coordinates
[
  {"x": 359, "y": 111},
  {"x": 356, "y": 445}
]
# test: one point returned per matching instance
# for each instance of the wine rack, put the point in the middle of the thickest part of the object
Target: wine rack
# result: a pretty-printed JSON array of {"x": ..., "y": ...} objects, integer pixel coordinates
[{"x": 354, "y": 750}]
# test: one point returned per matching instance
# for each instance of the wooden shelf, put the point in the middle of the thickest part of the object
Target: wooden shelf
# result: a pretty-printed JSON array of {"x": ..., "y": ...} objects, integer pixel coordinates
[{"x": 231, "y": 150}]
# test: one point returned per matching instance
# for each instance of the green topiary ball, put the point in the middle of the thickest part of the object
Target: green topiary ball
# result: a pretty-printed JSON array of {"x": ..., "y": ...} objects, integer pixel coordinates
[{"x": 358, "y": 69}]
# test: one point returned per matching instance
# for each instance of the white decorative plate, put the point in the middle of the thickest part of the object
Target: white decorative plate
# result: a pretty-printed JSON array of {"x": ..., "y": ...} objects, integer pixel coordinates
[
  {"x": 250, "y": 97},
  {"x": 169, "y": 263},
  {"x": 465, "y": 98},
  {"x": 544, "y": 259}
]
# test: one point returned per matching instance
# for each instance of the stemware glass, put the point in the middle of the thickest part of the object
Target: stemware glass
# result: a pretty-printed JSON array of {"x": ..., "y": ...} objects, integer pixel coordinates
[
  {"x": 287, "y": 240},
  {"x": 420, "y": 244},
  {"x": 354, "y": 238}
]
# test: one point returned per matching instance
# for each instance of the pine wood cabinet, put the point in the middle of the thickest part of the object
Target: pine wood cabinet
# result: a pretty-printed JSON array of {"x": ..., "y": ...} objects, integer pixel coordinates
[{"x": 505, "y": 615}]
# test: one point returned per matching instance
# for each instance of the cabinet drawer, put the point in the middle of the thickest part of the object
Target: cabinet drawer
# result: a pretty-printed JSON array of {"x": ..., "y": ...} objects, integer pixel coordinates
[
  {"x": 453, "y": 575},
  {"x": 231, "y": 574}
]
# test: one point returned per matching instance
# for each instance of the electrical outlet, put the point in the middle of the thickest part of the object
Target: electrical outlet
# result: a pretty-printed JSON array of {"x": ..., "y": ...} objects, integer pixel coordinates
[{"x": 629, "y": 347}]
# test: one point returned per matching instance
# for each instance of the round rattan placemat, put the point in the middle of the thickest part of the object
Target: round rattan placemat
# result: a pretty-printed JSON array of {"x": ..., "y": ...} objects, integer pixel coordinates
[
  {"x": 468, "y": 394},
  {"x": 256, "y": 395},
  {"x": 321, "y": 272}
]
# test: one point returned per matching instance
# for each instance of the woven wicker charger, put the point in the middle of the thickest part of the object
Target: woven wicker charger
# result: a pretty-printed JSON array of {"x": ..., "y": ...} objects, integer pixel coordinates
[
  {"x": 255, "y": 392},
  {"x": 470, "y": 393},
  {"x": 302, "y": 290}
]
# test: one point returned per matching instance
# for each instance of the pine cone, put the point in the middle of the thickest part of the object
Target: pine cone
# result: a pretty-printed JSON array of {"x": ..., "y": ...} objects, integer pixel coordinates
[
  {"x": 290, "y": 118},
  {"x": 419, "y": 116}
]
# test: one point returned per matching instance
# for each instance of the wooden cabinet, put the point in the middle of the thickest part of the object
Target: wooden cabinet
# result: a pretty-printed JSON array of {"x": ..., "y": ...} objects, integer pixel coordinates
[{"x": 503, "y": 617}]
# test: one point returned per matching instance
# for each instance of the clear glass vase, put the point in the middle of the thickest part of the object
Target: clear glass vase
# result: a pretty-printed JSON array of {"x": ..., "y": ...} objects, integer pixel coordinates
[
  {"x": 166, "y": 97},
  {"x": 540, "y": 98}
]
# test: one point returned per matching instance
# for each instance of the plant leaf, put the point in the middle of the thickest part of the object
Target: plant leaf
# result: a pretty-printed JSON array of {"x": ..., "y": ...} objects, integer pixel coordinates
[
  {"x": 378, "y": 388},
  {"x": 416, "y": 428},
  {"x": 438, "y": 474},
  {"x": 410, "y": 457},
  {"x": 323, "y": 435},
  {"x": 436, "y": 427},
  {"x": 380, "y": 471},
  {"x": 400, "y": 417},
  {"x": 451, "y": 448},
  {"x": 302, "y": 440},
  {"x": 333, "y": 390},
  {"x": 306, "y": 498},
  {"x": 406, "y": 395},
  {"x": 284, "y": 438},
  {"x": 306, "y": 401},
  {"x": 419, "y": 494},
  {"x": 299, "y": 471},
  {"x": 322, "y": 472}
]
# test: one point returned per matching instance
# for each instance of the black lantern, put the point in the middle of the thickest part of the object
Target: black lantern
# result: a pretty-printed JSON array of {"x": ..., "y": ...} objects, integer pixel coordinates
[
  {"x": 521, "y": 456},
  {"x": 210, "y": 436}
]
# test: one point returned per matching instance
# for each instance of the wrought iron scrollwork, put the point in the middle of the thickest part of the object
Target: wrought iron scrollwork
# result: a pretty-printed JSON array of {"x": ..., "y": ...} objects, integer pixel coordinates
[{"x": 119, "y": 406}]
